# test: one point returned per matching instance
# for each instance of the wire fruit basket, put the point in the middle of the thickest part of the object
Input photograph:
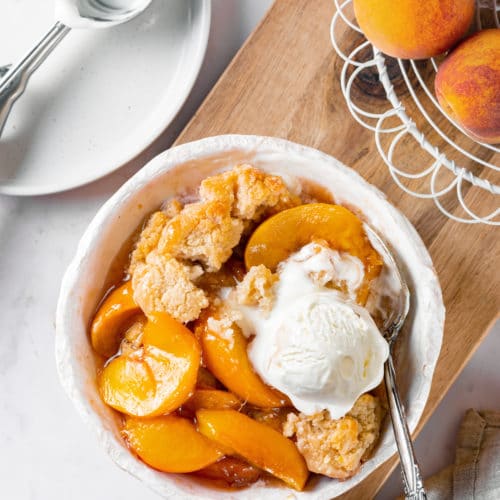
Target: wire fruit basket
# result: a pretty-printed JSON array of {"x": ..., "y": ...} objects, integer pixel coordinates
[{"x": 460, "y": 173}]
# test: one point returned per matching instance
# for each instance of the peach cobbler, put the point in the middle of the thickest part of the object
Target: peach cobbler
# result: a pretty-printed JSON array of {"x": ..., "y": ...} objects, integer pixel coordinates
[{"x": 237, "y": 345}]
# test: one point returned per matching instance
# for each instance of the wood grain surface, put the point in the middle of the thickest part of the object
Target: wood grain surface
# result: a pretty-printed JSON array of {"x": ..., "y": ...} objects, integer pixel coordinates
[{"x": 284, "y": 82}]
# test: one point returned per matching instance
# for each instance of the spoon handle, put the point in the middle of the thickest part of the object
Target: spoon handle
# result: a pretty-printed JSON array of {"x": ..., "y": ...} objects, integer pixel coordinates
[
  {"x": 412, "y": 479},
  {"x": 13, "y": 84}
]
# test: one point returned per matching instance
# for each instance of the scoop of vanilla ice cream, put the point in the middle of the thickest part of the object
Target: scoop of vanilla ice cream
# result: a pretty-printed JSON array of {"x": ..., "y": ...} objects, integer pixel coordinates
[
  {"x": 325, "y": 353},
  {"x": 316, "y": 345}
]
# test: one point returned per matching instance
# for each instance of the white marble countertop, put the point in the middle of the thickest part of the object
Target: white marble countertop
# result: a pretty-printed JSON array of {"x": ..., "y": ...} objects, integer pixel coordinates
[{"x": 46, "y": 453}]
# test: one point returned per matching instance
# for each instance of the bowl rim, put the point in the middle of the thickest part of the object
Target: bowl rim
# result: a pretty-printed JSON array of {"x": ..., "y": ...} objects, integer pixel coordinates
[{"x": 157, "y": 167}]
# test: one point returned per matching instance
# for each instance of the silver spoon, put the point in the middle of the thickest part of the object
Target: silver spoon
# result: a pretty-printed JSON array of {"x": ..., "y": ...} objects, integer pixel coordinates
[
  {"x": 392, "y": 324},
  {"x": 89, "y": 13}
]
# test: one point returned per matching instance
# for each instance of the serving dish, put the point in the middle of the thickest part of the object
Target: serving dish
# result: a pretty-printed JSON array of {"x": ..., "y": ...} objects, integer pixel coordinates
[
  {"x": 101, "y": 98},
  {"x": 176, "y": 171}
]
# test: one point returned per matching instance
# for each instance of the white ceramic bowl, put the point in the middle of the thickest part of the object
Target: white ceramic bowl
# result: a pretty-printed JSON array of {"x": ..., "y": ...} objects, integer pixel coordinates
[{"x": 185, "y": 166}]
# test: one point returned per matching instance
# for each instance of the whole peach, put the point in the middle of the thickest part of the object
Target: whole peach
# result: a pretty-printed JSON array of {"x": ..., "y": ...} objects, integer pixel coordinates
[
  {"x": 468, "y": 85},
  {"x": 414, "y": 29}
]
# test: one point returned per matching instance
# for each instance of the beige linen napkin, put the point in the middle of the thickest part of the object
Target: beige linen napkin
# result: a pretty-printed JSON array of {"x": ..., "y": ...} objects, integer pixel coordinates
[{"x": 476, "y": 472}]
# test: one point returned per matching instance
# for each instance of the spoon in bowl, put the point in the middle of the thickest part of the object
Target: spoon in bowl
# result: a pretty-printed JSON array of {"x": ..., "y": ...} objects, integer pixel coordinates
[
  {"x": 69, "y": 14},
  {"x": 394, "y": 316}
]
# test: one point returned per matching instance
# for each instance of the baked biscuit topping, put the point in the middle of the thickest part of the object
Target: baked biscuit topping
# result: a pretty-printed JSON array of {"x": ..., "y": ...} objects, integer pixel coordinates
[
  {"x": 250, "y": 193},
  {"x": 257, "y": 288},
  {"x": 163, "y": 284},
  {"x": 336, "y": 448},
  {"x": 148, "y": 239},
  {"x": 152, "y": 231},
  {"x": 203, "y": 232}
]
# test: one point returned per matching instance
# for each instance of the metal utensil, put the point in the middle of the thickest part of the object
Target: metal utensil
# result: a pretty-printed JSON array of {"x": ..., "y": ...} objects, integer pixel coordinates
[
  {"x": 100, "y": 13},
  {"x": 4, "y": 69},
  {"x": 392, "y": 323}
]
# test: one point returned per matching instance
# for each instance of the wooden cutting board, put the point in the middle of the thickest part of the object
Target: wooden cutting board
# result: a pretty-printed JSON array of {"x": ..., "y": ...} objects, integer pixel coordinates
[{"x": 285, "y": 82}]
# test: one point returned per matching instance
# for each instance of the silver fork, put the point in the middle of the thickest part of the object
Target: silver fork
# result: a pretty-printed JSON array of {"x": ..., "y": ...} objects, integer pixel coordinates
[
  {"x": 392, "y": 324},
  {"x": 99, "y": 12}
]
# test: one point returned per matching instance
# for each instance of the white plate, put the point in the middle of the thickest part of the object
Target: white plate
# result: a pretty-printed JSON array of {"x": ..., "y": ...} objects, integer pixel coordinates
[
  {"x": 184, "y": 167},
  {"x": 101, "y": 97}
]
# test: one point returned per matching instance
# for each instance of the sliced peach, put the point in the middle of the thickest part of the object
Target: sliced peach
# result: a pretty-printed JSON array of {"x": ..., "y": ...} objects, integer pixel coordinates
[
  {"x": 170, "y": 443},
  {"x": 258, "y": 443},
  {"x": 118, "y": 307},
  {"x": 286, "y": 232},
  {"x": 157, "y": 378},
  {"x": 226, "y": 357},
  {"x": 233, "y": 471},
  {"x": 213, "y": 400}
]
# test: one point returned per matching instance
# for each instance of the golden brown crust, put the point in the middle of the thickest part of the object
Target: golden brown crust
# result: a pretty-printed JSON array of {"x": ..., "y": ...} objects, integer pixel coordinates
[
  {"x": 249, "y": 192},
  {"x": 163, "y": 284},
  {"x": 257, "y": 288},
  {"x": 148, "y": 239},
  {"x": 172, "y": 208},
  {"x": 152, "y": 231},
  {"x": 336, "y": 448},
  {"x": 202, "y": 232}
]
